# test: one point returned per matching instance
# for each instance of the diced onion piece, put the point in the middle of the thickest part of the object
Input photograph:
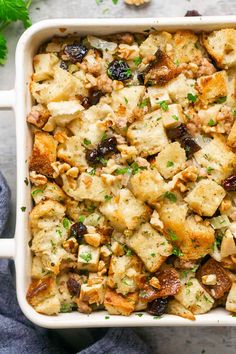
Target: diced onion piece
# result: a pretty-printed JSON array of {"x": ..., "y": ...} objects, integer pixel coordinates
[
  {"x": 220, "y": 222},
  {"x": 202, "y": 140},
  {"x": 101, "y": 44}
]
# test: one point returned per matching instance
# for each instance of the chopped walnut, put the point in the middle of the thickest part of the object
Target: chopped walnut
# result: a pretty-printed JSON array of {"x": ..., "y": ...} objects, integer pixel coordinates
[
  {"x": 73, "y": 172},
  {"x": 71, "y": 245},
  {"x": 60, "y": 168},
  {"x": 156, "y": 222},
  {"x": 209, "y": 279},
  {"x": 83, "y": 306},
  {"x": 136, "y": 2},
  {"x": 155, "y": 283},
  {"x": 60, "y": 135},
  {"x": 104, "y": 83},
  {"x": 205, "y": 68},
  {"x": 38, "y": 116},
  {"x": 127, "y": 38},
  {"x": 128, "y": 52},
  {"x": 37, "y": 179}
]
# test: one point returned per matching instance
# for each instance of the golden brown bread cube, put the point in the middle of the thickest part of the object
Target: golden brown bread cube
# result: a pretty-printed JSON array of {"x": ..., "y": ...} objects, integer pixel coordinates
[
  {"x": 212, "y": 87},
  {"x": 44, "y": 154},
  {"x": 117, "y": 304}
]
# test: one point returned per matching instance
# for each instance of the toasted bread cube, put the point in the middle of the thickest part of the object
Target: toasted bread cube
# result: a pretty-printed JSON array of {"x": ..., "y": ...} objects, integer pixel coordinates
[
  {"x": 221, "y": 45},
  {"x": 88, "y": 258},
  {"x": 156, "y": 95},
  {"x": 151, "y": 246},
  {"x": 40, "y": 289},
  {"x": 217, "y": 156},
  {"x": 116, "y": 304},
  {"x": 210, "y": 113},
  {"x": 213, "y": 86},
  {"x": 44, "y": 154},
  {"x": 154, "y": 41},
  {"x": 47, "y": 191},
  {"x": 43, "y": 66},
  {"x": 170, "y": 160},
  {"x": 38, "y": 270},
  {"x": 228, "y": 247},
  {"x": 93, "y": 294},
  {"x": 174, "y": 307},
  {"x": 62, "y": 113},
  {"x": 231, "y": 299},
  {"x": 147, "y": 186},
  {"x": 92, "y": 188},
  {"x": 179, "y": 89},
  {"x": 231, "y": 141},
  {"x": 93, "y": 239},
  {"x": 123, "y": 273},
  {"x": 173, "y": 116},
  {"x": 192, "y": 296},
  {"x": 186, "y": 47},
  {"x": 148, "y": 135},
  {"x": 73, "y": 152},
  {"x": 125, "y": 211},
  {"x": 205, "y": 197},
  {"x": 49, "y": 306}
]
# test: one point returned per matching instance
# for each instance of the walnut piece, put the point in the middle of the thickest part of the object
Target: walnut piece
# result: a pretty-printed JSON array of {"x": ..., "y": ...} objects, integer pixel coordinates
[{"x": 136, "y": 2}]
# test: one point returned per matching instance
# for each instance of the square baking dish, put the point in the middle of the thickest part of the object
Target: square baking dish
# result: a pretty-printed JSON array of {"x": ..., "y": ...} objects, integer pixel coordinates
[{"x": 19, "y": 100}]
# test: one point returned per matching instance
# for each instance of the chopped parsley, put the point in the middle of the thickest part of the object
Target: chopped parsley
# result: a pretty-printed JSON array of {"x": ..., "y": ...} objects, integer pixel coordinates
[
  {"x": 59, "y": 233},
  {"x": 170, "y": 164},
  {"x": 171, "y": 196},
  {"x": 66, "y": 223},
  {"x": 23, "y": 208},
  {"x": 137, "y": 61},
  {"x": 222, "y": 99},
  {"x": 26, "y": 181},
  {"x": 136, "y": 168},
  {"x": 234, "y": 112},
  {"x": 211, "y": 123},
  {"x": 65, "y": 307},
  {"x": 91, "y": 208},
  {"x": 108, "y": 197},
  {"x": 103, "y": 161},
  {"x": 122, "y": 171},
  {"x": 129, "y": 253},
  {"x": 104, "y": 136},
  {"x": 107, "y": 317},
  {"x": 126, "y": 100},
  {"x": 192, "y": 98},
  {"x": 177, "y": 252},
  {"x": 86, "y": 256},
  {"x": 139, "y": 314},
  {"x": 164, "y": 105},
  {"x": 172, "y": 235},
  {"x": 92, "y": 172},
  {"x": 156, "y": 317},
  {"x": 143, "y": 104},
  {"x": 209, "y": 169},
  {"x": 81, "y": 218},
  {"x": 153, "y": 254},
  {"x": 87, "y": 141},
  {"x": 175, "y": 117},
  {"x": 36, "y": 191},
  {"x": 177, "y": 62}
]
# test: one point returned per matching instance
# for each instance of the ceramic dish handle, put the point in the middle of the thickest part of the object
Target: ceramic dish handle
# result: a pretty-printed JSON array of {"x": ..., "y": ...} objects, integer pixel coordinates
[{"x": 7, "y": 246}]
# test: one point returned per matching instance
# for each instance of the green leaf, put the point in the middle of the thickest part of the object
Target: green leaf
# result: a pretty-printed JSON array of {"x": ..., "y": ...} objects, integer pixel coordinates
[
  {"x": 129, "y": 253},
  {"x": 13, "y": 10},
  {"x": 137, "y": 61},
  {"x": 3, "y": 49},
  {"x": 87, "y": 141},
  {"x": 170, "y": 164},
  {"x": 192, "y": 98},
  {"x": 172, "y": 235},
  {"x": 108, "y": 197},
  {"x": 176, "y": 251},
  {"x": 175, "y": 117},
  {"x": 164, "y": 105},
  {"x": 81, "y": 218},
  {"x": 171, "y": 196},
  {"x": 222, "y": 99},
  {"x": 86, "y": 256},
  {"x": 211, "y": 123},
  {"x": 143, "y": 104},
  {"x": 66, "y": 223}
]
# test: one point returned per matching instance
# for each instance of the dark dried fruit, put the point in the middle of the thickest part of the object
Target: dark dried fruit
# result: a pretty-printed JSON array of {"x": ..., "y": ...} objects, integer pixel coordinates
[
  {"x": 73, "y": 286},
  {"x": 92, "y": 156},
  {"x": 229, "y": 183},
  {"x": 64, "y": 65},
  {"x": 75, "y": 52},
  {"x": 157, "y": 307},
  {"x": 119, "y": 70},
  {"x": 92, "y": 99},
  {"x": 192, "y": 13},
  {"x": 186, "y": 140},
  {"x": 78, "y": 230},
  {"x": 107, "y": 146}
]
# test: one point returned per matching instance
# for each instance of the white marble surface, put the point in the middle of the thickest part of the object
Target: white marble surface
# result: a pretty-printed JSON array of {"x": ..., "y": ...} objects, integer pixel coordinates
[{"x": 163, "y": 340}]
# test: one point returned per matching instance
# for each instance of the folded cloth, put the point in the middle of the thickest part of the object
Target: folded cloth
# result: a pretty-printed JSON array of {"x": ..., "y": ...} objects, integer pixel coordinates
[
  {"x": 5, "y": 195},
  {"x": 19, "y": 335}
]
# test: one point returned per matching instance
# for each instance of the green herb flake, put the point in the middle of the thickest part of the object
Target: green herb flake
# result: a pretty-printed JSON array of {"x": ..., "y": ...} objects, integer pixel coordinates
[
  {"x": 108, "y": 197},
  {"x": 144, "y": 103},
  {"x": 91, "y": 208},
  {"x": 192, "y": 98},
  {"x": 26, "y": 181},
  {"x": 177, "y": 62},
  {"x": 65, "y": 308},
  {"x": 177, "y": 252},
  {"x": 234, "y": 315},
  {"x": 175, "y": 117},
  {"x": 103, "y": 161},
  {"x": 139, "y": 314},
  {"x": 3, "y": 50},
  {"x": 234, "y": 112},
  {"x": 172, "y": 235},
  {"x": 36, "y": 191},
  {"x": 59, "y": 232},
  {"x": 126, "y": 100},
  {"x": 129, "y": 253},
  {"x": 164, "y": 105},
  {"x": 156, "y": 317},
  {"x": 211, "y": 123},
  {"x": 86, "y": 256},
  {"x": 66, "y": 223},
  {"x": 81, "y": 218},
  {"x": 104, "y": 136},
  {"x": 87, "y": 141},
  {"x": 122, "y": 171},
  {"x": 171, "y": 196},
  {"x": 23, "y": 208},
  {"x": 107, "y": 317},
  {"x": 210, "y": 169},
  {"x": 153, "y": 254},
  {"x": 137, "y": 61},
  {"x": 222, "y": 99},
  {"x": 136, "y": 168},
  {"x": 92, "y": 172},
  {"x": 170, "y": 164}
]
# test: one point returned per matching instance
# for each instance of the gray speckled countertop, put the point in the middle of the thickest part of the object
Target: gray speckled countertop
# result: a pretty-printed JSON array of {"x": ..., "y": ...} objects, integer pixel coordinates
[{"x": 163, "y": 340}]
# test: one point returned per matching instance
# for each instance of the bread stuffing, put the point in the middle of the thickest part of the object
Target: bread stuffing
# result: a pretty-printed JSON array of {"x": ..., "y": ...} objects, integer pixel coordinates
[{"x": 133, "y": 174}]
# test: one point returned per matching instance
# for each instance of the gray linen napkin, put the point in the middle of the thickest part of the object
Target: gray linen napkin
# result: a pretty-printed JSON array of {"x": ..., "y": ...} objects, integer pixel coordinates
[{"x": 19, "y": 335}]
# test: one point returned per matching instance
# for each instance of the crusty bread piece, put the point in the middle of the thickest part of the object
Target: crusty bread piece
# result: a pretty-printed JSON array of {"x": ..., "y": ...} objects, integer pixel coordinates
[
  {"x": 231, "y": 299},
  {"x": 174, "y": 307},
  {"x": 47, "y": 191},
  {"x": 212, "y": 87},
  {"x": 116, "y": 304},
  {"x": 154, "y": 41},
  {"x": 44, "y": 154},
  {"x": 44, "y": 66},
  {"x": 73, "y": 152}
]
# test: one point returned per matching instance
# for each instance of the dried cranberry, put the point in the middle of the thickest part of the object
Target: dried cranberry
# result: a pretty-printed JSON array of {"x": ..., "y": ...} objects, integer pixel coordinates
[
  {"x": 64, "y": 65},
  {"x": 119, "y": 70},
  {"x": 78, "y": 230},
  {"x": 107, "y": 146},
  {"x": 157, "y": 307},
  {"x": 92, "y": 156},
  {"x": 141, "y": 78},
  {"x": 189, "y": 145},
  {"x": 229, "y": 183},
  {"x": 93, "y": 99},
  {"x": 76, "y": 52},
  {"x": 85, "y": 102},
  {"x": 73, "y": 286},
  {"x": 178, "y": 132},
  {"x": 192, "y": 13}
]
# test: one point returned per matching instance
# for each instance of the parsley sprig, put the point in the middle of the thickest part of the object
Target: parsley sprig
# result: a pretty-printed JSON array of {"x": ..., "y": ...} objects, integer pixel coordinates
[{"x": 11, "y": 11}]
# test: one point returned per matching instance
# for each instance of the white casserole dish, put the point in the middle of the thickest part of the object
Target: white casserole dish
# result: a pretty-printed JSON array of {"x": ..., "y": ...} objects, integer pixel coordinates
[{"x": 20, "y": 101}]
